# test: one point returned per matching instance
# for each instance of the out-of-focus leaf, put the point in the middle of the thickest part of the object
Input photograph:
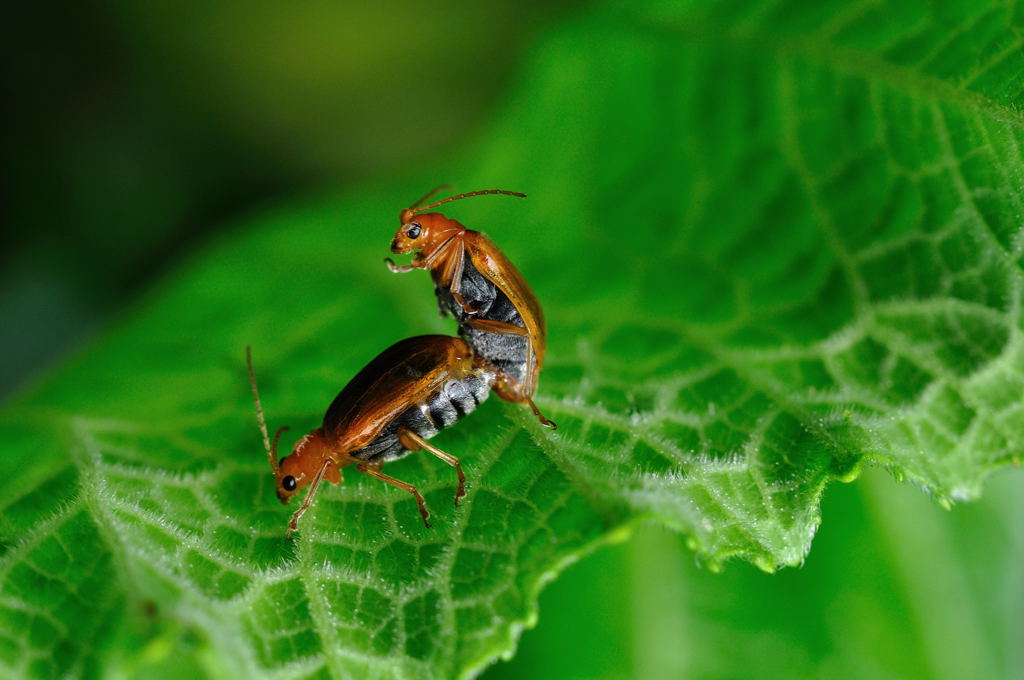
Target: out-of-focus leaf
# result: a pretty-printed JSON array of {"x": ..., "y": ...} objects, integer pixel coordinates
[{"x": 895, "y": 587}]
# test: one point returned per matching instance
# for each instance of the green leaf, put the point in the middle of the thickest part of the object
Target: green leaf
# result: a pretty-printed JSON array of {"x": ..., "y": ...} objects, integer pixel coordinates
[{"x": 771, "y": 241}]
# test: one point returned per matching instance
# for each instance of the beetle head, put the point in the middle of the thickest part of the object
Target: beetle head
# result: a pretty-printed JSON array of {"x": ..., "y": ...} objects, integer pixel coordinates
[
  {"x": 427, "y": 232},
  {"x": 297, "y": 469},
  {"x": 311, "y": 459},
  {"x": 423, "y": 232}
]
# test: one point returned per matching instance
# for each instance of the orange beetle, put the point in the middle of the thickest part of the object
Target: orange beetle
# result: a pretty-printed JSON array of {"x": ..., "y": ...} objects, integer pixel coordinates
[
  {"x": 406, "y": 395},
  {"x": 497, "y": 312}
]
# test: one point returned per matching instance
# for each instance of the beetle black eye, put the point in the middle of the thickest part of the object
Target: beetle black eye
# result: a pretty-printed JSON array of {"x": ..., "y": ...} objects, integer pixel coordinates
[
  {"x": 414, "y": 230},
  {"x": 288, "y": 483}
]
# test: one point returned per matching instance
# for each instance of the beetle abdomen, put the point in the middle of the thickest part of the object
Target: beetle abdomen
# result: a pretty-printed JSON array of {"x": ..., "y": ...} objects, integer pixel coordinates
[
  {"x": 506, "y": 352},
  {"x": 455, "y": 399}
]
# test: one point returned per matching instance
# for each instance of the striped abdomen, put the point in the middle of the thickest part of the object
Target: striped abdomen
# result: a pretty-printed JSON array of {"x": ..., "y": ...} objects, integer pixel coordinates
[{"x": 442, "y": 408}]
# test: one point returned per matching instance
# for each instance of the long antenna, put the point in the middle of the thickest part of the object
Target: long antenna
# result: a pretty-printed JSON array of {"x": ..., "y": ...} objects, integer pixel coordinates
[
  {"x": 271, "y": 453},
  {"x": 430, "y": 193},
  {"x": 412, "y": 211}
]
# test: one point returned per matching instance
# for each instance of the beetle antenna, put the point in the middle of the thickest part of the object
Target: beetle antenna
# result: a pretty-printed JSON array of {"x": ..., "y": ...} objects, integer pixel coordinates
[
  {"x": 466, "y": 195},
  {"x": 277, "y": 435},
  {"x": 430, "y": 193},
  {"x": 271, "y": 453}
]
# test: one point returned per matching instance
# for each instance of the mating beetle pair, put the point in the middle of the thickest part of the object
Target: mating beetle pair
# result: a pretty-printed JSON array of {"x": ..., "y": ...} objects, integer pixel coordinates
[{"x": 423, "y": 384}]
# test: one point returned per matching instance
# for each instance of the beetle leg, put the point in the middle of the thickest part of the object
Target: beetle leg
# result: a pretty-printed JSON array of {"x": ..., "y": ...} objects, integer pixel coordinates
[
  {"x": 294, "y": 524},
  {"x": 374, "y": 471},
  {"x": 540, "y": 416},
  {"x": 417, "y": 262},
  {"x": 412, "y": 441},
  {"x": 437, "y": 256},
  {"x": 511, "y": 390},
  {"x": 398, "y": 268},
  {"x": 465, "y": 305},
  {"x": 452, "y": 256},
  {"x": 496, "y": 327}
]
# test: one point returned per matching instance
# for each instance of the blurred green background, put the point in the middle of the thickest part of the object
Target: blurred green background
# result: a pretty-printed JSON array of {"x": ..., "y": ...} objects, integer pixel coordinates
[
  {"x": 140, "y": 129},
  {"x": 894, "y": 587}
]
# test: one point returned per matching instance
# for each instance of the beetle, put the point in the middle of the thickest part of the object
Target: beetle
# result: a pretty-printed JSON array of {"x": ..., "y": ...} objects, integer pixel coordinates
[
  {"x": 398, "y": 401},
  {"x": 496, "y": 311}
]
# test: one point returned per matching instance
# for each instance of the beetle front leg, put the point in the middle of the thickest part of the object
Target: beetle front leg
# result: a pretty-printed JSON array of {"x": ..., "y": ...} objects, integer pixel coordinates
[
  {"x": 293, "y": 525},
  {"x": 416, "y": 263},
  {"x": 398, "y": 268}
]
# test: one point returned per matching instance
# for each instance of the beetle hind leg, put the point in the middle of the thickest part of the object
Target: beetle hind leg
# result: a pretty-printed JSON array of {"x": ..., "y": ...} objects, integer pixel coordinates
[
  {"x": 540, "y": 416},
  {"x": 374, "y": 471},
  {"x": 511, "y": 390},
  {"x": 413, "y": 441}
]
